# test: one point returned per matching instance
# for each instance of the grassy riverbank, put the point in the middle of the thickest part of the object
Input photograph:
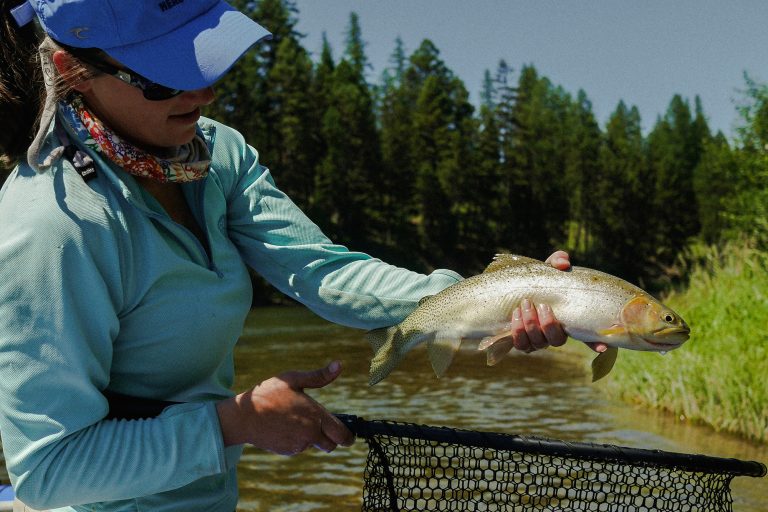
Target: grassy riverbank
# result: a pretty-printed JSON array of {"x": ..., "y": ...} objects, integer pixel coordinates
[{"x": 720, "y": 377}]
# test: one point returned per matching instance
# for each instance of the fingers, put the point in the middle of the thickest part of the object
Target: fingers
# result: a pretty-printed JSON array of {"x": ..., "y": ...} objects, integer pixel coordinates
[
  {"x": 532, "y": 329},
  {"x": 535, "y": 328},
  {"x": 314, "y": 378},
  {"x": 598, "y": 347},
  {"x": 278, "y": 416},
  {"x": 327, "y": 434},
  {"x": 517, "y": 331},
  {"x": 323, "y": 442},
  {"x": 335, "y": 431},
  {"x": 560, "y": 260},
  {"x": 332, "y": 433},
  {"x": 551, "y": 328}
]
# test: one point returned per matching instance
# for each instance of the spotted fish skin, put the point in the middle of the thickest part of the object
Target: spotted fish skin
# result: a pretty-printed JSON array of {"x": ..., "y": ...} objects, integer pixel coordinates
[{"x": 591, "y": 305}]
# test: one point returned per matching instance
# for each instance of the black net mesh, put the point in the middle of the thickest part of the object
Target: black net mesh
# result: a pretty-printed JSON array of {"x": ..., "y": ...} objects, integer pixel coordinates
[{"x": 416, "y": 467}]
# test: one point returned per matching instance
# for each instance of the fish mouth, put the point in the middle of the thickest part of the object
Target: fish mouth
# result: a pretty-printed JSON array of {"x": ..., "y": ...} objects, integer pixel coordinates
[
  {"x": 677, "y": 336},
  {"x": 672, "y": 331}
]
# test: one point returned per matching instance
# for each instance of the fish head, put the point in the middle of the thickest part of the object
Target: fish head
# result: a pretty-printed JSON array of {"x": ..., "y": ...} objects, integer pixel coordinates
[{"x": 652, "y": 326}]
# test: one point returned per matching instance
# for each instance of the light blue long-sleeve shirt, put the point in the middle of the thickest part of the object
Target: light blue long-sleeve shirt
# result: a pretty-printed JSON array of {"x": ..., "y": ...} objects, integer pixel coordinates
[{"x": 100, "y": 289}]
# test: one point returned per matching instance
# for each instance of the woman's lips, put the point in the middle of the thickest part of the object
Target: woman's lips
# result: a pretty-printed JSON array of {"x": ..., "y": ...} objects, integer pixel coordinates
[{"x": 189, "y": 117}]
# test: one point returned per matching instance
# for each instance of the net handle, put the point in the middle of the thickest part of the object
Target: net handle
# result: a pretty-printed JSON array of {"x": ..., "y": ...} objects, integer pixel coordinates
[{"x": 525, "y": 444}]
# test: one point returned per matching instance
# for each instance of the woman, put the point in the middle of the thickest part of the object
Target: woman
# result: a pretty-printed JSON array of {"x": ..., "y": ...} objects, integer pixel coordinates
[{"x": 124, "y": 238}]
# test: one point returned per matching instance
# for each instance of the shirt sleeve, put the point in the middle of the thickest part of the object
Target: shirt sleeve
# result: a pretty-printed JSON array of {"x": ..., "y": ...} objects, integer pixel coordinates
[
  {"x": 278, "y": 240},
  {"x": 60, "y": 303}
]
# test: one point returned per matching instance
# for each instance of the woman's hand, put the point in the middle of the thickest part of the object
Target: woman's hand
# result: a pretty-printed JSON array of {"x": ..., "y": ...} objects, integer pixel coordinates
[
  {"x": 534, "y": 326},
  {"x": 279, "y": 417}
]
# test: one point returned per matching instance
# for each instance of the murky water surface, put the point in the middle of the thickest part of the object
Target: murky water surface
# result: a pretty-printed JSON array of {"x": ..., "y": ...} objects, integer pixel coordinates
[{"x": 545, "y": 394}]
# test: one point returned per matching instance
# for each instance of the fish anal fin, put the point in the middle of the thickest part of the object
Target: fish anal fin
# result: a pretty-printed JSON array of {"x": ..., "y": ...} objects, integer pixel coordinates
[
  {"x": 498, "y": 350},
  {"x": 378, "y": 338},
  {"x": 603, "y": 363},
  {"x": 386, "y": 356},
  {"x": 441, "y": 350},
  {"x": 502, "y": 261}
]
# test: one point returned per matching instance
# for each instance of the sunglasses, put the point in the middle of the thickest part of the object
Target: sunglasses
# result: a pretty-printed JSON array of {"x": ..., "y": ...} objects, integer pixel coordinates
[{"x": 151, "y": 90}]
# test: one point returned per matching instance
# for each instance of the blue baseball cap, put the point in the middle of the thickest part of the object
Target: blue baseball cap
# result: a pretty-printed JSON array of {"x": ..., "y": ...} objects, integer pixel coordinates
[{"x": 182, "y": 44}]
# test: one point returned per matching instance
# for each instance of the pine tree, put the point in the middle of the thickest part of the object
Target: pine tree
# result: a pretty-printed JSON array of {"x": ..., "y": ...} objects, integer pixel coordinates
[
  {"x": 396, "y": 195},
  {"x": 297, "y": 140},
  {"x": 674, "y": 148},
  {"x": 714, "y": 183},
  {"x": 322, "y": 85},
  {"x": 583, "y": 141},
  {"x": 355, "y": 50},
  {"x": 349, "y": 171},
  {"x": 437, "y": 228},
  {"x": 535, "y": 162},
  {"x": 488, "y": 92},
  {"x": 484, "y": 188},
  {"x": 747, "y": 207},
  {"x": 242, "y": 95},
  {"x": 442, "y": 149},
  {"x": 621, "y": 198}
]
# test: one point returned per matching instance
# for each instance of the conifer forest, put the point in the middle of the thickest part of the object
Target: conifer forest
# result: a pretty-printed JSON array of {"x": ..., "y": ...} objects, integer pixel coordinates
[{"x": 405, "y": 167}]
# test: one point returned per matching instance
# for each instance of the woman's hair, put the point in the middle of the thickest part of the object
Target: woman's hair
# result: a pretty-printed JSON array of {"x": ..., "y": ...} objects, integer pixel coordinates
[{"x": 22, "y": 84}]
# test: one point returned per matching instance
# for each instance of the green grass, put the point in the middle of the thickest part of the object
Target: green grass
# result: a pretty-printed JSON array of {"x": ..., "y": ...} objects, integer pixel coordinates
[{"x": 720, "y": 376}]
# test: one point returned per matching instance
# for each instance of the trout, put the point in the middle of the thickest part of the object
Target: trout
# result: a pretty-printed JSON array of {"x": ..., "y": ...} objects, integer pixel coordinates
[{"x": 592, "y": 306}]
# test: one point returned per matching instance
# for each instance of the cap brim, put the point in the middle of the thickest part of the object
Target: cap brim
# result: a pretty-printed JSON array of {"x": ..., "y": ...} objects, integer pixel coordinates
[{"x": 196, "y": 54}]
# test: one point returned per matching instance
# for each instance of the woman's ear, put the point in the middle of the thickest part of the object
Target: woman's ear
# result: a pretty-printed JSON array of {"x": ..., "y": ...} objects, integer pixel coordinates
[{"x": 71, "y": 71}]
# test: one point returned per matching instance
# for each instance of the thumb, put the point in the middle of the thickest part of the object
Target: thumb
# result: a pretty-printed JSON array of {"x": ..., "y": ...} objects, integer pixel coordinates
[{"x": 313, "y": 378}]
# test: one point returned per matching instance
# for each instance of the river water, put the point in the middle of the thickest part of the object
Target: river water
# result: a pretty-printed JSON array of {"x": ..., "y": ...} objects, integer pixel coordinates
[{"x": 544, "y": 394}]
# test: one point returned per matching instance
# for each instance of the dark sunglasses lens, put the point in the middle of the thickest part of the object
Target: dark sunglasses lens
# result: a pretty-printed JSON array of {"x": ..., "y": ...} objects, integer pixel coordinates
[{"x": 157, "y": 92}]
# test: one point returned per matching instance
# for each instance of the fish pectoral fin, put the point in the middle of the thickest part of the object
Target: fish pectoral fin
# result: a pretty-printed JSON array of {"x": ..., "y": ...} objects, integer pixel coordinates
[
  {"x": 489, "y": 341},
  {"x": 614, "y": 330},
  {"x": 441, "y": 350},
  {"x": 498, "y": 350},
  {"x": 496, "y": 347},
  {"x": 603, "y": 363}
]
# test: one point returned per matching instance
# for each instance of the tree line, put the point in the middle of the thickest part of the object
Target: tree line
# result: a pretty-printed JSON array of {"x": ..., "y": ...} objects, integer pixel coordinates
[{"x": 407, "y": 168}]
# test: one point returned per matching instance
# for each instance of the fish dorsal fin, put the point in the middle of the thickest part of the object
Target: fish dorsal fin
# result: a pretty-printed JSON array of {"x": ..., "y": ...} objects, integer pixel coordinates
[
  {"x": 425, "y": 299},
  {"x": 502, "y": 261}
]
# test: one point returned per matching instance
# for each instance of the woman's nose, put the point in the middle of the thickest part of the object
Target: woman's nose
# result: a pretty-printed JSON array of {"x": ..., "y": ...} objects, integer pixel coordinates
[{"x": 201, "y": 96}]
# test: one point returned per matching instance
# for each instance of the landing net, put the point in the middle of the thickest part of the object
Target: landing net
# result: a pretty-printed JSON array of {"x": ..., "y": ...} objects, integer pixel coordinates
[{"x": 419, "y": 467}]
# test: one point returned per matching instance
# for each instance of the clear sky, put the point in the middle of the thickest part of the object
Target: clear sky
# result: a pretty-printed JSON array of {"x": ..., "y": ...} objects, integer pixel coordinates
[{"x": 641, "y": 51}]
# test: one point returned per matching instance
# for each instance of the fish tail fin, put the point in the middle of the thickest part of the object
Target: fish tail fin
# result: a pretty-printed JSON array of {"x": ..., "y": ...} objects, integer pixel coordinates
[{"x": 386, "y": 356}]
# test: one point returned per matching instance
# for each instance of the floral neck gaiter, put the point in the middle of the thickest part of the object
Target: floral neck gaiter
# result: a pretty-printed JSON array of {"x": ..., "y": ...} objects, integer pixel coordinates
[{"x": 190, "y": 163}]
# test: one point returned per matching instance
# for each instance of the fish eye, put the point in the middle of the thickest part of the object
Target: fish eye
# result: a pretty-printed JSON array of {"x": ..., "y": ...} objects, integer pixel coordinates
[{"x": 669, "y": 317}]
